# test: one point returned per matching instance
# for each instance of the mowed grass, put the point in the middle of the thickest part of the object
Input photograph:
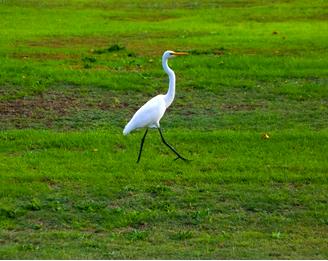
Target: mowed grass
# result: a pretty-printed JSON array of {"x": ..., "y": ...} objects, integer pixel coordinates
[
  {"x": 81, "y": 195},
  {"x": 71, "y": 76}
]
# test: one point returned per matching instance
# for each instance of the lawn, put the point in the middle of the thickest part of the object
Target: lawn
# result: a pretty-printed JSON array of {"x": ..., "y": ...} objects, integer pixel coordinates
[{"x": 250, "y": 113}]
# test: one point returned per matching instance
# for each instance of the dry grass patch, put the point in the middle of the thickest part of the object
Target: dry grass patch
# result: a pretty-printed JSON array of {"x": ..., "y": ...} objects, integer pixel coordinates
[
  {"x": 69, "y": 42},
  {"x": 45, "y": 56}
]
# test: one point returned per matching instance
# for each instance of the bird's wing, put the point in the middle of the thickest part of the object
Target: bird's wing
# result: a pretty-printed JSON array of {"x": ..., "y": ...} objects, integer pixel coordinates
[{"x": 148, "y": 115}]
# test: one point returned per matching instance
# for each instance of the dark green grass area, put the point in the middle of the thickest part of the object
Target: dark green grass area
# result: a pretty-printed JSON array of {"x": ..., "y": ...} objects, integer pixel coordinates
[
  {"x": 81, "y": 195},
  {"x": 250, "y": 112}
]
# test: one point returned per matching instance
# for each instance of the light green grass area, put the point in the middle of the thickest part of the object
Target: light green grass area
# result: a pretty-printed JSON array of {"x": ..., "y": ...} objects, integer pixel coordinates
[{"x": 72, "y": 73}]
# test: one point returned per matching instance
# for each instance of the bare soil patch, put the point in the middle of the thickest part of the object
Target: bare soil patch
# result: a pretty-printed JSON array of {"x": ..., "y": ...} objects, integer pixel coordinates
[
  {"x": 60, "y": 103},
  {"x": 44, "y": 56},
  {"x": 42, "y": 109},
  {"x": 62, "y": 42},
  {"x": 240, "y": 107}
]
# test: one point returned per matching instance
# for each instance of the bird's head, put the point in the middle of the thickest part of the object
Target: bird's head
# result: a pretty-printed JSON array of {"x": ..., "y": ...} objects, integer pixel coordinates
[{"x": 172, "y": 54}]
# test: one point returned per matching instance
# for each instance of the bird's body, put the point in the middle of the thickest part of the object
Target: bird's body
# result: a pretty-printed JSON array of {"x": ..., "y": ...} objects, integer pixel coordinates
[{"x": 150, "y": 114}]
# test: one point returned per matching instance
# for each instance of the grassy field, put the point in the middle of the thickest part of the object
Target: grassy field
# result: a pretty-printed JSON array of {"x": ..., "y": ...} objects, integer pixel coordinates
[{"x": 71, "y": 76}]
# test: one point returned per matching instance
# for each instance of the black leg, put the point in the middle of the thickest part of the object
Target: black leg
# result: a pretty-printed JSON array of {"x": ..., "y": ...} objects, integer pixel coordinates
[
  {"x": 173, "y": 149},
  {"x": 141, "y": 145}
]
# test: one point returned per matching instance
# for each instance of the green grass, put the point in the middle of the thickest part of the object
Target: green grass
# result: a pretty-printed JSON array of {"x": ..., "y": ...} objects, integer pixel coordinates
[
  {"x": 73, "y": 73},
  {"x": 69, "y": 195}
]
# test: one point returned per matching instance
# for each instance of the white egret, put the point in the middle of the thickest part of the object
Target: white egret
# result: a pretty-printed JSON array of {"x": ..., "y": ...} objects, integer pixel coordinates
[{"x": 151, "y": 112}]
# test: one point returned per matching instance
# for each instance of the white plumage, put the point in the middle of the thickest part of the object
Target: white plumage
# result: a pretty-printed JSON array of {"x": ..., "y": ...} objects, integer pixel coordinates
[
  {"x": 148, "y": 115},
  {"x": 152, "y": 111}
]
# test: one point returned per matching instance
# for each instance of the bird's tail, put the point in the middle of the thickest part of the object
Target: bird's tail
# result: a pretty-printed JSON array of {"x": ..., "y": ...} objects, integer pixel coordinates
[{"x": 127, "y": 129}]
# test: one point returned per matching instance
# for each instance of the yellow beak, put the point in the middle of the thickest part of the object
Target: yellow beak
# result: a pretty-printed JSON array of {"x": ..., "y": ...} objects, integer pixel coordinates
[{"x": 180, "y": 53}]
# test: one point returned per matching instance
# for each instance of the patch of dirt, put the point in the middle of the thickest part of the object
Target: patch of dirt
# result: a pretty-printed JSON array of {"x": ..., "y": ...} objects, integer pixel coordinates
[
  {"x": 150, "y": 17},
  {"x": 43, "y": 109},
  {"x": 35, "y": 106},
  {"x": 44, "y": 56},
  {"x": 240, "y": 107},
  {"x": 136, "y": 43},
  {"x": 61, "y": 42}
]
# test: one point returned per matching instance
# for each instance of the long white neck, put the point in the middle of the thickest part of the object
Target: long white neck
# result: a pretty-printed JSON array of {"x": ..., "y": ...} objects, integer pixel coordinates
[{"x": 169, "y": 96}]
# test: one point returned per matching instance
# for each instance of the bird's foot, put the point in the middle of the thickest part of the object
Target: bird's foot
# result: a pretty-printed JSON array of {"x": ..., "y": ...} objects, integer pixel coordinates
[{"x": 182, "y": 158}]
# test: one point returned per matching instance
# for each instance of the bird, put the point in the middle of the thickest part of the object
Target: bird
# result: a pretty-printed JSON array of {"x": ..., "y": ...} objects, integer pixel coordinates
[{"x": 150, "y": 114}]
